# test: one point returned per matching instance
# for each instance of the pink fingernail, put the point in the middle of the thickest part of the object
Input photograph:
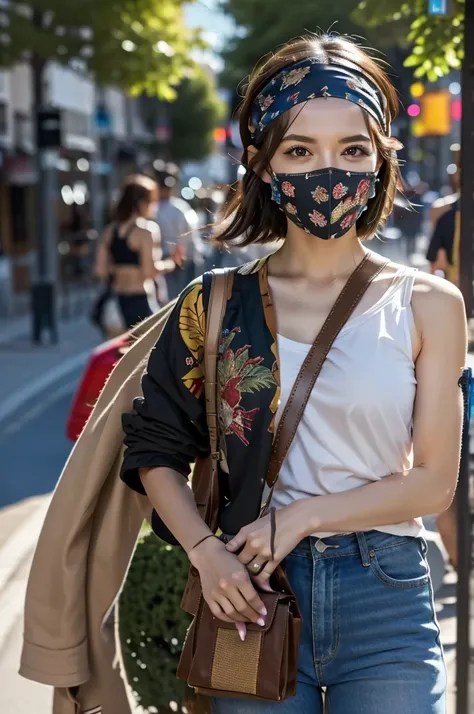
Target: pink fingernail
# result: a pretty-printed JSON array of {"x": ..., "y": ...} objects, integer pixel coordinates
[
  {"x": 242, "y": 630},
  {"x": 263, "y": 611},
  {"x": 261, "y": 622}
]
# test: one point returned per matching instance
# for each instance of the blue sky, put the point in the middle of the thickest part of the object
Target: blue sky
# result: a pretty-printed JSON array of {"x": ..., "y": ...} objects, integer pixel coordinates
[{"x": 217, "y": 27}]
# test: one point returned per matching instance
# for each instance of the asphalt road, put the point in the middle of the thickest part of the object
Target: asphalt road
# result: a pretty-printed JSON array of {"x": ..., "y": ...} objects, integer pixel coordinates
[{"x": 33, "y": 445}]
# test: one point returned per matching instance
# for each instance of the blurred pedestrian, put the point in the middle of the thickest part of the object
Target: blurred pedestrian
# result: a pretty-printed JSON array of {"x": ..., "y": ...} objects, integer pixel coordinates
[
  {"x": 177, "y": 223},
  {"x": 445, "y": 219},
  {"x": 445, "y": 203},
  {"x": 443, "y": 250},
  {"x": 129, "y": 255}
]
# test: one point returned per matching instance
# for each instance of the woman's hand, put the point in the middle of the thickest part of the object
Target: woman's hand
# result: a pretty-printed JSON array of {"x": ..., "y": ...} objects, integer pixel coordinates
[
  {"x": 226, "y": 585},
  {"x": 255, "y": 540}
]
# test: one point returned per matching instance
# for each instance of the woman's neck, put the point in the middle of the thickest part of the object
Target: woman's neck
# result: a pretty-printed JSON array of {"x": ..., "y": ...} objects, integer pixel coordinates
[
  {"x": 130, "y": 220},
  {"x": 305, "y": 256}
]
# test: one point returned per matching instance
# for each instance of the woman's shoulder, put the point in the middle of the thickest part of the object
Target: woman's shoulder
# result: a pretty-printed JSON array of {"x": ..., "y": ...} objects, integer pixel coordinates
[
  {"x": 438, "y": 305},
  {"x": 431, "y": 290},
  {"x": 146, "y": 228}
]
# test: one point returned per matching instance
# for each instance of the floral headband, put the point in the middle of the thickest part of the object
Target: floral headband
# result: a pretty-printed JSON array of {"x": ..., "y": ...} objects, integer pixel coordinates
[{"x": 309, "y": 79}]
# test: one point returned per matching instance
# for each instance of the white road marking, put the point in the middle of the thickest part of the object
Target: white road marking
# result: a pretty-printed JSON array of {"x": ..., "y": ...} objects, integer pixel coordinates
[{"x": 36, "y": 386}]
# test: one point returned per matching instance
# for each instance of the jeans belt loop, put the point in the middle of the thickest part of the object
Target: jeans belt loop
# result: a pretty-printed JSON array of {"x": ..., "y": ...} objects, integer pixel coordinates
[{"x": 364, "y": 549}]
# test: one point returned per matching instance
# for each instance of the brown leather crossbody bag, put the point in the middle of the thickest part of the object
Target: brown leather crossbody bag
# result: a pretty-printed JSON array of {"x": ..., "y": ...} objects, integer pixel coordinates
[{"x": 214, "y": 661}]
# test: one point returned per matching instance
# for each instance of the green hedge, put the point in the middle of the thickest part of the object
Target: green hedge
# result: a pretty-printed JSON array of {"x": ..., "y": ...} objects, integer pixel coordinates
[{"x": 152, "y": 627}]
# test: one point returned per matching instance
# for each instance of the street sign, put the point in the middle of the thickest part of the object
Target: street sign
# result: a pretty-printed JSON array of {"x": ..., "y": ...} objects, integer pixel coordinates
[
  {"x": 103, "y": 120},
  {"x": 48, "y": 129},
  {"x": 438, "y": 7}
]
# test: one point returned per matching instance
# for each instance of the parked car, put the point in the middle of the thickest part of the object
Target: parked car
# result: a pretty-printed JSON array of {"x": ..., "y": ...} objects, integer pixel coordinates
[{"x": 100, "y": 364}]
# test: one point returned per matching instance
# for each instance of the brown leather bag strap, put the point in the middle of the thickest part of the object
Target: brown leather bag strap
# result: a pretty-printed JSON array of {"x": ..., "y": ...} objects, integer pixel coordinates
[
  {"x": 371, "y": 266},
  {"x": 214, "y": 318}
]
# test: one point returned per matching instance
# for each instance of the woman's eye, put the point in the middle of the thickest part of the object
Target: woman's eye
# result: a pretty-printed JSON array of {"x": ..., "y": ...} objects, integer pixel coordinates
[
  {"x": 298, "y": 151},
  {"x": 356, "y": 151}
]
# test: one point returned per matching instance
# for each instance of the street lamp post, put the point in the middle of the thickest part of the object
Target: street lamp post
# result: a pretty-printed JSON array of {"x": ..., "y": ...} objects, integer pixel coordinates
[
  {"x": 43, "y": 297},
  {"x": 466, "y": 276},
  {"x": 467, "y": 163}
]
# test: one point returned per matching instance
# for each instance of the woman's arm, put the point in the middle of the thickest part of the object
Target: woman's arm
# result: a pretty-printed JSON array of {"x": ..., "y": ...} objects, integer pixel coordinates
[
  {"x": 441, "y": 262},
  {"x": 150, "y": 254},
  {"x": 437, "y": 423},
  {"x": 429, "y": 486},
  {"x": 167, "y": 432},
  {"x": 102, "y": 260}
]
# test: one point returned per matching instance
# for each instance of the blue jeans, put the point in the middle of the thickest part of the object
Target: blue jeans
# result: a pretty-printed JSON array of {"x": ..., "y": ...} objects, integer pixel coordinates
[{"x": 369, "y": 636}]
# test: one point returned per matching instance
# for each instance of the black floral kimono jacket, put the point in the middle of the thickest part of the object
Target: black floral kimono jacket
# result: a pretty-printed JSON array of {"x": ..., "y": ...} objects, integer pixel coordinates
[{"x": 169, "y": 425}]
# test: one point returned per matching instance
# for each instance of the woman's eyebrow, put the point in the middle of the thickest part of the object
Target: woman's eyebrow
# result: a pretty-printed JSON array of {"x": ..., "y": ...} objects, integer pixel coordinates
[
  {"x": 355, "y": 138},
  {"x": 299, "y": 137}
]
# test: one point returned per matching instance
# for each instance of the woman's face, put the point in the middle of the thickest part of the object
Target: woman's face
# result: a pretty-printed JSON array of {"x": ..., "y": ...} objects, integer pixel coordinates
[
  {"x": 148, "y": 209},
  {"x": 325, "y": 133}
]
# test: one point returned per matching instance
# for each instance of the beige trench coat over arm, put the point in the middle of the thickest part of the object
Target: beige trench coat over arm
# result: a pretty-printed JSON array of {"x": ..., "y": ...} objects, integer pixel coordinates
[{"x": 84, "y": 551}]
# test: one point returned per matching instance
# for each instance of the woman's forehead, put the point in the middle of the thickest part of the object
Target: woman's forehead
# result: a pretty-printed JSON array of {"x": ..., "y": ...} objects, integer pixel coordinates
[{"x": 326, "y": 117}]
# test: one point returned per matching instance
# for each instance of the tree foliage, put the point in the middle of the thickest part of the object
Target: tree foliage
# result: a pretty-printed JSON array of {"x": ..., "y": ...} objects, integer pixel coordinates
[
  {"x": 152, "y": 627},
  {"x": 139, "y": 45},
  {"x": 193, "y": 116},
  {"x": 437, "y": 42},
  {"x": 266, "y": 24}
]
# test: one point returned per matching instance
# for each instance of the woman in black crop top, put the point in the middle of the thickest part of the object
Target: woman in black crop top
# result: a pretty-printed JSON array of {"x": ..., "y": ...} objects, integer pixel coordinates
[{"x": 130, "y": 251}]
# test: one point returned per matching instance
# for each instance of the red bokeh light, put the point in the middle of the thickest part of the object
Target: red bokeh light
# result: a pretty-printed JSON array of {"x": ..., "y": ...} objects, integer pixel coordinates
[
  {"x": 220, "y": 134},
  {"x": 456, "y": 109}
]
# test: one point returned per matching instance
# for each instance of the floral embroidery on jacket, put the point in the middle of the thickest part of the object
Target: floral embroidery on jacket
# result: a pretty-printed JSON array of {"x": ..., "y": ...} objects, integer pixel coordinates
[
  {"x": 291, "y": 209},
  {"x": 192, "y": 329},
  {"x": 237, "y": 373}
]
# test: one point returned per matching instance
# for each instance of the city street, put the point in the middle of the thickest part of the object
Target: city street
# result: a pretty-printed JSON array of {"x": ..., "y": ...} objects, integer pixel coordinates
[
  {"x": 143, "y": 143},
  {"x": 36, "y": 386},
  {"x": 33, "y": 443}
]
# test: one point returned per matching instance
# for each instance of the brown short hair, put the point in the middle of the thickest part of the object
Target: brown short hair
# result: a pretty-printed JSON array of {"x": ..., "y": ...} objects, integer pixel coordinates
[
  {"x": 137, "y": 189},
  {"x": 251, "y": 216}
]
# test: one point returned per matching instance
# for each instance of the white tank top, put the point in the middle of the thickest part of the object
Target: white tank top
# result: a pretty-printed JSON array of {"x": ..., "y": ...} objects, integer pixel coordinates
[{"x": 357, "y": 425}]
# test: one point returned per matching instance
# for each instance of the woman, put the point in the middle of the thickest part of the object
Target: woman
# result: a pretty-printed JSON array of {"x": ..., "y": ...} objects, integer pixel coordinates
[
  {"x": 129, "y": 254},
  {"x": 378, "y": 445}
]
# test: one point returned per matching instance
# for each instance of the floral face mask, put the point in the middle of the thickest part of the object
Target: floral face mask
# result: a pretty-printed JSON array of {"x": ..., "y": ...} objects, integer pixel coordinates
[{"x": 324, "y": 203}]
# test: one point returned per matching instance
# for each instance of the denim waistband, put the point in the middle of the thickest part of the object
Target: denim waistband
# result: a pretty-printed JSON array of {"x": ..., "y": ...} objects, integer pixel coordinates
[{"x": 349, "y": 544}]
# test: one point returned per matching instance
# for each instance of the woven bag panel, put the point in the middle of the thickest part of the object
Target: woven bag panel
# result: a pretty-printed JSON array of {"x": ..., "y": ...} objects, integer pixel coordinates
[{"x": 235, "y": 663}]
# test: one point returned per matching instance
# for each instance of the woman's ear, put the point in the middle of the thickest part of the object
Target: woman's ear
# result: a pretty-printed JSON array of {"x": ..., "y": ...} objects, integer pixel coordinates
[{"x": 263, "y": 174}]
